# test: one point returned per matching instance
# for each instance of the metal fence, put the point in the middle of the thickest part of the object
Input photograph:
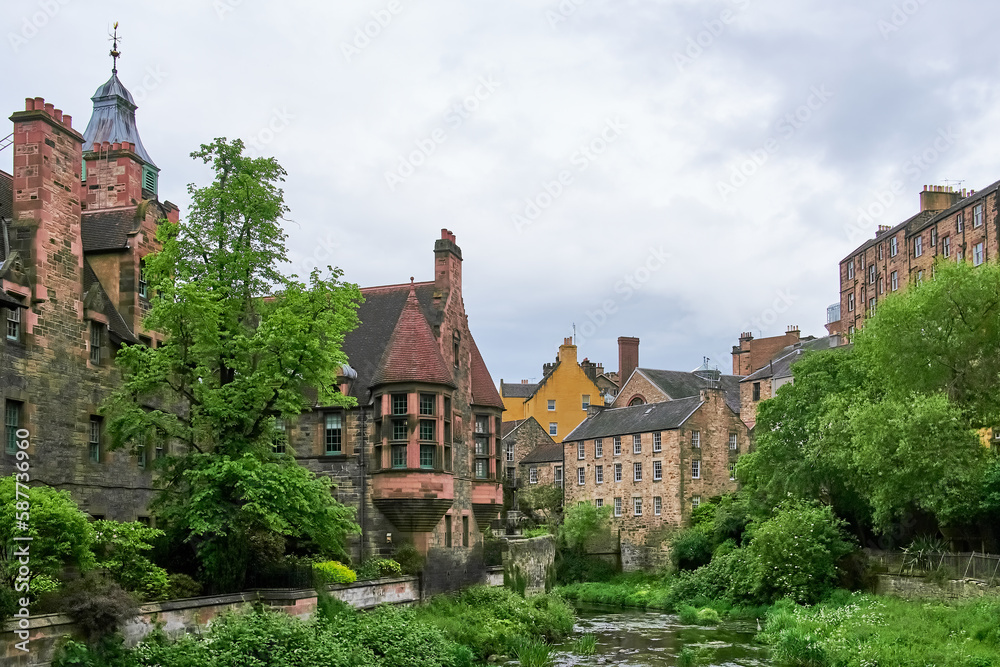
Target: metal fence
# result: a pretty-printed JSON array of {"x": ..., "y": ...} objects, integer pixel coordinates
[{"x": 963, "y": 565}]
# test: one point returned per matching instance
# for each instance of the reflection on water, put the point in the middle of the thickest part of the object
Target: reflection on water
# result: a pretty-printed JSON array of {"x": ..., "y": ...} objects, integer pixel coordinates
[{"x": 633, "y": 638}]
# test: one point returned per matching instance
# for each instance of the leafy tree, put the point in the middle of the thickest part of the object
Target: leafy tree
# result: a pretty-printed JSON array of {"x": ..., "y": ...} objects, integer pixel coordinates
[
  {"x": 583, "y": 522},
  {"x": 541, "y": 503},
  {"x": 120, "y": 549},
  {"x": 243, "y": 345}
]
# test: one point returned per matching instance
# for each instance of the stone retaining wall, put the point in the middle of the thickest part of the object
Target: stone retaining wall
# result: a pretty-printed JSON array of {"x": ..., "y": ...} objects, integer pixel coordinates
[{"x": 915, "y": 587}]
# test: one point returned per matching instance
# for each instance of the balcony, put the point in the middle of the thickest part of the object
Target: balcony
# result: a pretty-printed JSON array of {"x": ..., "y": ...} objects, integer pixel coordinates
[{"x": 413, "y": 500}]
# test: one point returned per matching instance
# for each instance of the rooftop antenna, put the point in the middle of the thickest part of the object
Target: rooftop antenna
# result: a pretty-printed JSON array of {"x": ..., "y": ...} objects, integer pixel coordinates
[
  {"x": 115, "y": 53},
  {"x": 574, "y": 333},
  {"x": 949, "y": 181}
]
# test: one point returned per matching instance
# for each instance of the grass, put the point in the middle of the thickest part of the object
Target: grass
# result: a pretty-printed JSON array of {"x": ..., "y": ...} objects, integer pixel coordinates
[
  {"x": 860, "y": 630},
  {"x": 585, "y": 644},
  {"x": 532, "y": 653}
]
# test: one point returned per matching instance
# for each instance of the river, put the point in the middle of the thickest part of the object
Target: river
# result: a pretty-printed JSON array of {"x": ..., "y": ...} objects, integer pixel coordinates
[{"x": 634, "y": 638}]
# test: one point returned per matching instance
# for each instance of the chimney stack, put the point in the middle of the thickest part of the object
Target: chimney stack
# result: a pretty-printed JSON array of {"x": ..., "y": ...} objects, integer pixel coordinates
[
  {"x": 628, "y": 357},
  {"x": 938, "y": 198}
]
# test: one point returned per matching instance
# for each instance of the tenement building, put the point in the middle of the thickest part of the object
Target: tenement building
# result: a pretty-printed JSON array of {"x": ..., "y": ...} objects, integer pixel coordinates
[
  {"x": 77, "y": 216},
  {"x": 951, "y": 225}
]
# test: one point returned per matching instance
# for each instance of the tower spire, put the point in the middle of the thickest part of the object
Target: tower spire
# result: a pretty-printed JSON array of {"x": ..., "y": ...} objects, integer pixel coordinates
[{"x": 115, "y": 53}]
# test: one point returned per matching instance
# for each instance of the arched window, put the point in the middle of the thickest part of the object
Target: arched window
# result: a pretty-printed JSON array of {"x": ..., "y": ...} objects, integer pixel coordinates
[{"x": 638, "y": 400}]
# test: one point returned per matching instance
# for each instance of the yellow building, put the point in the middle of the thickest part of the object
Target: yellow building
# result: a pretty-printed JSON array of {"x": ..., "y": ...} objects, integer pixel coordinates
[{"x": 559, "y": 402}]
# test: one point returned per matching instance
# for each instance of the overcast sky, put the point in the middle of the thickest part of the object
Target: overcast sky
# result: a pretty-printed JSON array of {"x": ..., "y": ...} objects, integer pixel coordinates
[{"x": 679, "y": 171}]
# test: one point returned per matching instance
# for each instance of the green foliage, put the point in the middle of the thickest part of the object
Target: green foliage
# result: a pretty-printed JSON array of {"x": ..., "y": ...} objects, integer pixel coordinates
[
  {"x": 182, "y": 586},
  {"x": 532, "y": 653},
  {"x": 375, "y": 568},
  {"x": 585, "y": 644},
  {"x": 515, "y": 579},
  {"x": 97, "y": 604},
  {"x": 334, "y": 572},
  {"x": 582, "y": 522},
  {"x": 243, "y": 344},
  {"x": 120, "y": 549},
  {"x": 537, "y": 531},
  {"x": 869, "y": 630},
  {"x": 410, "y": 560},
  {"x": 541, "y": 503},
  {"x": 574, "y": 566},
  {"x": 694, "y": 656},
  {"x": 690, "y": 549}
]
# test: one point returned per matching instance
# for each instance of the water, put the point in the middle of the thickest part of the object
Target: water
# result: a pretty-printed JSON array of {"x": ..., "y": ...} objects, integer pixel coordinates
[{"x": 633, "y": 638}]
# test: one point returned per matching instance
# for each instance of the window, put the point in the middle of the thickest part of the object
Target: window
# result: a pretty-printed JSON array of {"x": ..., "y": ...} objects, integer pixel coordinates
[
  {"x": 636, "y": 444},
  {"x": 618, "y": 445},
  {"x": 920, "y": 277},
  {"x": 850, "y": 270},
  {"x": 946, "y": 246},
  {"x": 509, "y": 452},
  {"x": 881, "y": 286},
  {"x": 140, "y": 455},
  {"x": 581, "y": 476},
  {"x": 12, "y": 422},
  {"x": 657, "y": 471},
  {"x": 465, "y": 531},
  {"x": 427, "y": 432},
  {"x": 585, "y": 401},
  {"x": 861, "y": 261},
  {"x": 94, "y": 448},
  {"x": 482, "y": 424},
  {"x": 96, "y": 330},
  {"x": 278, "y": 446},
  {"x": 447, "y": 531},
  {"x": 657, "y": 505},
  {"x": 850, "y": 303},
  {"x": 696, "y": 439},
  {"x": 893, "y": 247},
  {"x": 511, "y": 474},
  {"x": 881, "y": 251},
  {"x": 399, "y": 429},
  {"x": 977, "y": 254},
  {"x": 618, "y": 472},
  {"x": 552, "y": 405},
  {"x": 483, "y": 468},
  {"x": 934, "y": 238},
  {"x": 143, "y": 285},
  {"x": 959, "y": 223},
  {"x": 696, "y": 469},
  {"x": 333, "y": 431},
  {"x": 456, "y": 346},
  {"x": 637, "y": 506},
  {"x": 637, "y": 471},
  {"x": 398, "y": 404},
  {"x": 598, "y": 448},
  {"x": 894, "y": 281},
  {"x": 918, "y": 246},
  {"x": 871, "y": 274},
  {"x": 599, "y": 503},
  {"x": 977, "y": 216},
  {"x": 871, "y": 306},
  {"x": 599, "y": 474},
  {"x": 533, "y": 475},
  {"x": 734, "y": 442},
  {"x": 553, "y": 428},
  {"x": 657, "y": 443},
  {"x": 161, "y": 450},
  {"x": 149, "y": 178},
  {"x": 581, "y": 451},
  {"x": 13, "y": 323},
  {"x": 427, "y": 404},
  {"x": 557, "y": 476},
  {"x": 756, "y": 391},
  {"x": 695, "y": 501},
  {"x": 732, "y": 471},
  {"x": 618, "y": 506},
  {"x": 427, "y": 456},
  {"x": 398, "y": 456}
]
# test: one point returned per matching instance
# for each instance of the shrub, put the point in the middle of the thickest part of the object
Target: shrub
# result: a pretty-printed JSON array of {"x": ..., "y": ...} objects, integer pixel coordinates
[
  {"x": 398, "y": 640},
  {"x": 375, "y": 568},
  {"x": 707, "y": 616},
  {"x": 583, "y": 522},
  {"x": 120, "y": 549},
  {"x": 334, "y": 572},
  {"x": 410, "y": 560},
  {"x": 97, "y": 604},
  {"x": 690, "y": 549},
  {"x": 182, "y": 586}
]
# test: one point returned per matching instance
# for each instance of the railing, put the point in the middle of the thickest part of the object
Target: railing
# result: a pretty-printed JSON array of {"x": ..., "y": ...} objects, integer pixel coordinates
[{"x": 963, "y": 565}]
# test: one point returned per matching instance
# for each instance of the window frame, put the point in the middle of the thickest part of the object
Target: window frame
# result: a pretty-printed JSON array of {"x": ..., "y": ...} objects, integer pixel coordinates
[
  {"x": 978, "y": 253},
  {"x": 893, "y": 246},
  {"x": 96, "y": 342},
  {"x": 553, "y": 428},
  {"x": 734, "y": 441},
  {"x": 637, "y": 471},
  {"x": 581, "y": 476},
  {"x": 551, "y": 405},
  {"x": 619, "y": 474},
  {"x": 618, "y": 506},
  {"x": 13, "y": 412},
  {"x": 598, "y": 448},
  {"x": 657, "y": 505},
  {"x": 657, "y": 471},
  {"x": 636, "y": 444},
  {"x": 94, "y": 439},
  {"x": 618, "y": 445},
  {"x": 695, "y": 468},
  {"x": 581, "y": 451},
  {"x": 696, "y": 439},
  {"x": 977, "y": 216},
  {"x": 13, "y": 320},
  {"x": 532, "y": 474},
  {"x": 599, "y": 474},
  {"x": 636, "y": 505},
  {"x": 333, "y": 438},
  {"x": 657, "y": 442}
]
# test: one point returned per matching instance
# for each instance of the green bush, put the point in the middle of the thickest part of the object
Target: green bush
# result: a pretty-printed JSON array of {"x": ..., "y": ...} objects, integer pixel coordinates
[
  {"x": 410, "y": 560},
  {"x": 120, "y": 549},
  {"x": 182, "y": 586},
  {"x": 334, "y": 572},
  {"x": 375, "y": 568},
  {"x": 690, "y": 549},
  {"x": 97, "y": 604}
]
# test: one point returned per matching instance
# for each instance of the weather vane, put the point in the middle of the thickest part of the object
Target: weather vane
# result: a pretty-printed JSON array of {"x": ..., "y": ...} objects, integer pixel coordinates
[{"x": 115, "y": 53}]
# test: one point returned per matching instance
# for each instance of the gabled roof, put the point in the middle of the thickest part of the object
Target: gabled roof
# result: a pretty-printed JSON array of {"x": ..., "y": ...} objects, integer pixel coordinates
[
  {"x": 518, "y": 390},
  {"x": 506, "y": 428},
  {"x": 663, "y": 416},
  {"x": 547, "y": 453},
  {"x": 412, "y": 353},
  {"x": 682, "y": 384},
  {"x": 483, "y": 391},
  {"x": 962, "y": 203},
  {"x": 116, "y": 323},
  {"x": 107, "y": 229},
  {"x": 781, "y": 365},
  {"x": 917, "y": 220}
]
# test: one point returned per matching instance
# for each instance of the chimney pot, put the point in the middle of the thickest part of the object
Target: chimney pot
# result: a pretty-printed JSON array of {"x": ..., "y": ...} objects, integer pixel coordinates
[
  {"x": 57, "y": 114},
  {"x": 29, "y": 103},
  {"x": 39, "y": 104},
  {"x": 49, "y": 108},
  {"x": 68, "y": 121}
]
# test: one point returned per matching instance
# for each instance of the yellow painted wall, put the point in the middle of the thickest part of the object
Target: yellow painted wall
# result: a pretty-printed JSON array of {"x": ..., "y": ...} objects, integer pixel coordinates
[
  {"x": 566, "y": 386},
  {"x": 513, "y": 408}
]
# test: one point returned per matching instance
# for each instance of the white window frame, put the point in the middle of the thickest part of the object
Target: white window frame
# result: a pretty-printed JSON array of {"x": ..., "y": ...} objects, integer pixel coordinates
[
  {"x": 978, "y": 253},
  {"x": 696, "y": 439},
  {"x": 637, "y": 506},
  {"x": 618, "y": 445},
  {"x": 918, "y": 245},
  {"x": 618, "y": 506},
  {"x": 557, "y": 475},
  {"x": 695, "y": 501},
  {"x": 585, "y": 401},
  {"x": 618, "y": 472},
  {"x": 871, "y": 274},
  {"x": 581, "y": 476},
  {"x": 637, "y": 471},
  {"x": 850, "y": 270},
  {"x": 553, "y": 428},
  {"x": 533, "y": 475},
  {"x": 734, "y": 442},
  {"x": 850, "y": 303},
  {"x": 959, "y": 223},
  {"x": 13, "y": 323},
  {"x": 637, "y": 444},
  {"x": 946, "y": 246},
  {"x": 599, "y": 474},
  {"x": 657, "y": 471},
  {"x": 581, "y": 451},
  {"x": 657, "y": 505},
  {"x": 893, "y": 247},
  {"x": 895, "y": 281},
  {"x": 695, "y": 468},
  {"x": 509, "y": 452},
  {"x": 599, "y": 448},
  {"x": 732, "y": 471},
  {"x": 551, "y": 405},
  {"x": 657, "y": 443},
  {"x": 977, "y": 216},
  {"x": 599, "y": 503}
]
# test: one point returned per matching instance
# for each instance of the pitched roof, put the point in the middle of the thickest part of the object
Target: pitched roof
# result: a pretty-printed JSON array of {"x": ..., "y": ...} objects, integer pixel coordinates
[
  {"x": 781, "y": 364},
  {"x": 116, "y": 323},
  {"x": 517, "y": 390},
  {"x": 644, "y": 418},
  {"x": 483, "y": 390},
  {"x": 412, "y": 353},
  {"x": 962, "y": 203},
  {"x": 546, "y": 453},
  {"x": 107, "y": 229},
  {"x": 506, "y": 428},
  {"x": 682, "y": 384}
]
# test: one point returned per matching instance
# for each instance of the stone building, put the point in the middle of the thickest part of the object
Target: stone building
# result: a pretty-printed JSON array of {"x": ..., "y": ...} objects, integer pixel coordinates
[
  {"x": 78, "y": 214},
  {"x": 560, "y": 400},
  {"x": 518, "y": 439},
  {"x": 419, "y": 456},
  {"x": 752, "y": 354},
  {"x": 654, "y": 462},
  {"x": 951, "y": 225}
]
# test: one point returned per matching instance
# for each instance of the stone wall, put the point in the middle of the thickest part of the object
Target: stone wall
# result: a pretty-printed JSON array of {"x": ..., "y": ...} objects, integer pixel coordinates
[
  {"x": 919, "y": 587},
  {"x": 529, "y": 565},
  {"x": 192, "y": 615}
]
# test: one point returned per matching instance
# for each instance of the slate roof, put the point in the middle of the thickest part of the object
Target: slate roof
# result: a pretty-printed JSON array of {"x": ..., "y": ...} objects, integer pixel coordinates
[
  {"x": 682, "y": 384},
  {"x": 781, "y": 365},
  {"x": 113, "y": 119},
  {"x": 517, "y": 390},
  {"x": 646, "y": 418},
  {"x": 483, "y": 391},
  {"x": 412, "y": 353},
  {"x": 506, "y": 428},
  {"x": 962, "y": 203},
  {"x": 116, "y": 323},
  {"x": 547, "y": 453},
  {"x": 107, "y": 229}
]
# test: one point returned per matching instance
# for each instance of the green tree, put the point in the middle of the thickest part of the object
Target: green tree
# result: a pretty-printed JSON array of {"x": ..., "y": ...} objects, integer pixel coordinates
[
  {"x": 582, "y": 522},
  {"x": 243, "y": 345}
]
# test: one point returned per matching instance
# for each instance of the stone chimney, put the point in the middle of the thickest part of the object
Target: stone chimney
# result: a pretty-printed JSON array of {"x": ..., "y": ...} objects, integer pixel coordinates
[
  {"x": 567, "y": 352},
  {"x": 628, "y": 357},
  {"x": 939, "y": 197},
  {"x": 589, "y": 369},
  {"x": 447, "y": 267}
]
